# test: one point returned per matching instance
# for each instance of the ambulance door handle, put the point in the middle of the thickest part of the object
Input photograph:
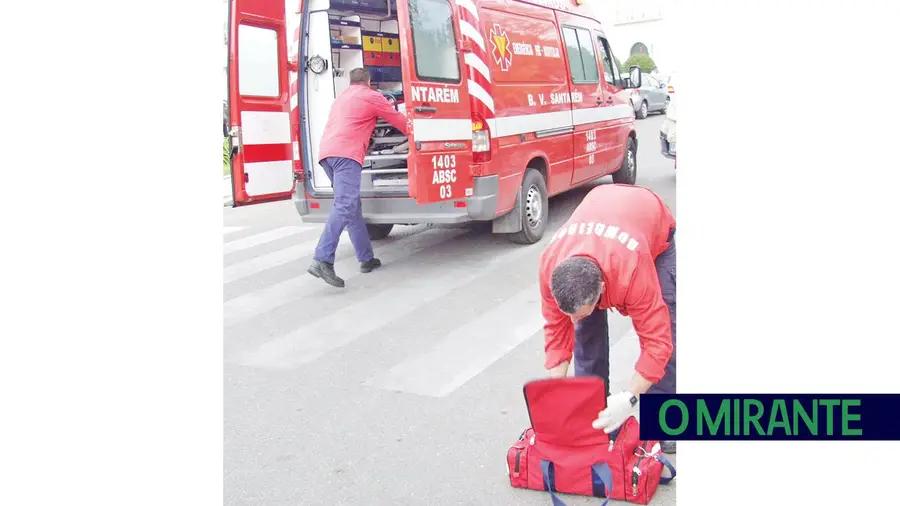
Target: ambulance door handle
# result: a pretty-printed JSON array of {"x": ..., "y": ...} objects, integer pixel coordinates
[{"x": 425, "y": 109}]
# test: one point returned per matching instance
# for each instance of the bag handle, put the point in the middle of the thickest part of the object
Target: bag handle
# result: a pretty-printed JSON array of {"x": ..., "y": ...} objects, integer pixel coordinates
[
  {"x": 600, "y": 473},
  {"x": 664, "y": 480}
]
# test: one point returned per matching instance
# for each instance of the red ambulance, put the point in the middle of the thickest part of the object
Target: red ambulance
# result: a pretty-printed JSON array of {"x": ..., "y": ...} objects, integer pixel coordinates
[{"x": 509, "y": 102}]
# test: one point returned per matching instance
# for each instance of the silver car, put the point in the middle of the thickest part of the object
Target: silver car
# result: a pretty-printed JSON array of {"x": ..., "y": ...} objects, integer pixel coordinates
[
  {"x": 652, "y": 96},
  {"x": 667, "y": 139}
]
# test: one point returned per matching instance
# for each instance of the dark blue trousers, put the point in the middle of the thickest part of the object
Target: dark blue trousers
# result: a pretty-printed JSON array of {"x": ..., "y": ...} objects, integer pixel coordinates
[
  {"x": 592, "y": 333},
  {"x": 345, "y": 176}
]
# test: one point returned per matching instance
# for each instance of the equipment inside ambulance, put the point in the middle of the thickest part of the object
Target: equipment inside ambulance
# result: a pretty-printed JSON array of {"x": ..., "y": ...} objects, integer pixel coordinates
[{"x": 508, "y": 103}]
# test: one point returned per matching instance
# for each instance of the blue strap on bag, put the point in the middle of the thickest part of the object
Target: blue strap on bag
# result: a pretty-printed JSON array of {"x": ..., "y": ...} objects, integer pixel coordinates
[
  {"x": 601, "y": 474},
  {"x": 663, "y": 480}
]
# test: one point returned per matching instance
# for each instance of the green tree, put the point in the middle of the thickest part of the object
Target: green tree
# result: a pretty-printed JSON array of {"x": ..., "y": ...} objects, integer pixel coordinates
[{"x": 643, "y": 61}]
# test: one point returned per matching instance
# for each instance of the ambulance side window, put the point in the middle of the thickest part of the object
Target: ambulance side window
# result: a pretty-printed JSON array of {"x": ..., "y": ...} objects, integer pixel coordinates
[
  {"x": 582, "y": 60},
  {"x": 434, "y": 40},
  {"x": 610, "y": 71}
]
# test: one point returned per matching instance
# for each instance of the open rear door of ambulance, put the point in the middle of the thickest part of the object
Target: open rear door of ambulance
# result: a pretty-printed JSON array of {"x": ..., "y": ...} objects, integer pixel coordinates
[
  {"x": 259, "y": 103},
  {"x": 437, "y": 101}
]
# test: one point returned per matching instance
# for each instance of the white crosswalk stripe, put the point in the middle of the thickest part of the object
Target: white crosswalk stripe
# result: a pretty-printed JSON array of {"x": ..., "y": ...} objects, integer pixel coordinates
[
  {"x": 261, "y": 263},
  {"x": 623, "y": 354},
  {"x": 262, "y": 238},
  {"x": 467, "y": 350},
  {"x": 310, "y": 342},
  {"x": 466, "y": 347},
  {"x": 231, "y": 230},
  {"x": 258, "y": 302},
  {"x": 472, "y": 348}
]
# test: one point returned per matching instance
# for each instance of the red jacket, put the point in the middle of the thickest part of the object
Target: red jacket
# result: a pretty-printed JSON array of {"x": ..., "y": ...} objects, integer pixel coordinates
[
  {"x": 633, "y": 226},
  {"x": 352, "y": 120}
]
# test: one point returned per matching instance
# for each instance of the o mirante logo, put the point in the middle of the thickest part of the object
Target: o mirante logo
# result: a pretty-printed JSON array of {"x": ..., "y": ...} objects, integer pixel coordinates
[
  {"x": 869, "y": 417},
  {"x": 729, "y": 419}
]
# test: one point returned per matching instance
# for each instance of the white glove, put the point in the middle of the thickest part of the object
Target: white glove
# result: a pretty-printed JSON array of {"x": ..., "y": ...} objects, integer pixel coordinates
[{"x": 618, "y": 409}]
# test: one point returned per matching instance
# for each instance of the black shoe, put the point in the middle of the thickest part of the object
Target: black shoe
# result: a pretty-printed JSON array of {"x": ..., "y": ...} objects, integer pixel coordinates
[
  {"x": 667, "y": 447},
  {"x": 325, "y": 271},
  {"x": 370, "y": 265}
]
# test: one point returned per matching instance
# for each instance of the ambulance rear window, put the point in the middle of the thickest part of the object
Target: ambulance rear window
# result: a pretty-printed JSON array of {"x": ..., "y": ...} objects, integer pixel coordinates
[
  {"x": 434, "y": 40},
  {"x": 258, "y": 62}
]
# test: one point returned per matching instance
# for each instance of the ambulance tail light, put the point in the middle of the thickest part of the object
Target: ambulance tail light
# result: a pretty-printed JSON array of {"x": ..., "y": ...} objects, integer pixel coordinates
[{"x": 481, "y": 141}]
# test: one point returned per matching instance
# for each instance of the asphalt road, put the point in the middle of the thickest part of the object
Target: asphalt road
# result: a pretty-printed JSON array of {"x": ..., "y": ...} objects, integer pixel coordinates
[{"x": 405, "y": 388}]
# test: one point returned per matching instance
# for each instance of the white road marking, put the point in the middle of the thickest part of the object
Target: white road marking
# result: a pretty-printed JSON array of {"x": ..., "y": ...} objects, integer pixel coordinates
[
  {"x": 262, "y": 301},
  {"x": 262, "y": 238},
  {"x": 261, "y": 263},
  {"x": 622, "y": 357},
  {"x": 312, "y": 341},
  {"x": 231, "y": 230},
  {"x": 468, "y": 350}
]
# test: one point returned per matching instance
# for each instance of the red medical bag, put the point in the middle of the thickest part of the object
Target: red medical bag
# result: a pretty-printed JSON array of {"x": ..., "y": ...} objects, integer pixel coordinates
[{"x": 562, "y": 452}]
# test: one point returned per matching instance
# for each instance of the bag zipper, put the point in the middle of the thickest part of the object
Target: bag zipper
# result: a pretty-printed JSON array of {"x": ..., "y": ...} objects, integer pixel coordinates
[
  {"x": 518, "y": 456},
  {"x": 636, "y": 470}
]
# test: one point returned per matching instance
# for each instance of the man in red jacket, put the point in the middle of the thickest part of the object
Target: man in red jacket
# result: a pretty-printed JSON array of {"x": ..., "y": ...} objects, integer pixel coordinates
[
  {"x": 341, "y": 153},
  {"x": 617, "y": 251}
]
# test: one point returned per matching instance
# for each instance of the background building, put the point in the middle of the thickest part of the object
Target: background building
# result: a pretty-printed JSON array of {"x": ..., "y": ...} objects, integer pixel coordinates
[{"x": 639, "y": 26}]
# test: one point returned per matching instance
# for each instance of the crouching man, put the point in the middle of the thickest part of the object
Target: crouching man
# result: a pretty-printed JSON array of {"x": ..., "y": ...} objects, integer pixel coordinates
[{"x": 617, "y": 251}]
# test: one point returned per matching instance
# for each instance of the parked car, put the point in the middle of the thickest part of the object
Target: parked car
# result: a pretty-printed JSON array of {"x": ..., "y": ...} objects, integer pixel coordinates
[
  {"x": 667, "y": 131},
  {"x": 668, "y": 80},
  {"x": 650, "y": 97}
]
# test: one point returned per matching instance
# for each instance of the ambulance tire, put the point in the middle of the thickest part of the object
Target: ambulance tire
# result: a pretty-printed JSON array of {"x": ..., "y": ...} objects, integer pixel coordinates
[
  {"x": 534, "y": 206},
  {"x": 627, "y": 173},
  {"x": 378, "y": 231}
]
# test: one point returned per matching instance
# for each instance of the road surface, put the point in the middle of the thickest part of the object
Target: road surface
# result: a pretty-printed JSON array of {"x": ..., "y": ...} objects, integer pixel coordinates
[{"x": 405, "y": 388}]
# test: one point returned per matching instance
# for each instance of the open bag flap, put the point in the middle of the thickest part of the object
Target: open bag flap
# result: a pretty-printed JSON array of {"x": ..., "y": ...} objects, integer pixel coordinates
[{"x": 561, "y": 411}]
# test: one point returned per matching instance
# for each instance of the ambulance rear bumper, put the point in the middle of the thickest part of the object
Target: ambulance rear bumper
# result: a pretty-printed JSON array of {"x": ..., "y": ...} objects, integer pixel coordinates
[{"x": 481, "y": 206}]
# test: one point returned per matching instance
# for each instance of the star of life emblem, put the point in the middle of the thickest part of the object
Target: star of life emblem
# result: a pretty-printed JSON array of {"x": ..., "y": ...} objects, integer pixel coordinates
[{"x": 501, "y": 48}]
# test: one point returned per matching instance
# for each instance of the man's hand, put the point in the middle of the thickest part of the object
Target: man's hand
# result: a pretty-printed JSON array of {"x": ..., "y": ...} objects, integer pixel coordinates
[
  {"x": 560, "y": 371},
  {"x": 618, "y": 408}
]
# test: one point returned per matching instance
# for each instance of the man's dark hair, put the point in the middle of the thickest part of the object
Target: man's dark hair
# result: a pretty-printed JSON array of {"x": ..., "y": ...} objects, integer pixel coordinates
[
  {"x": 574, "y": 283},
  {"x": 359, "y": 76}
]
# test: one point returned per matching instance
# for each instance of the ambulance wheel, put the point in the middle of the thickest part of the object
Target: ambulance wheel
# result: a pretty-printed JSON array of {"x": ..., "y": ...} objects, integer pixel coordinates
[
  {"x": 378, "y": 231},
  {"x": 643, "y": 112},
  {"x": 627, "y": 173},
  {"x": 533, "y": 196}
]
